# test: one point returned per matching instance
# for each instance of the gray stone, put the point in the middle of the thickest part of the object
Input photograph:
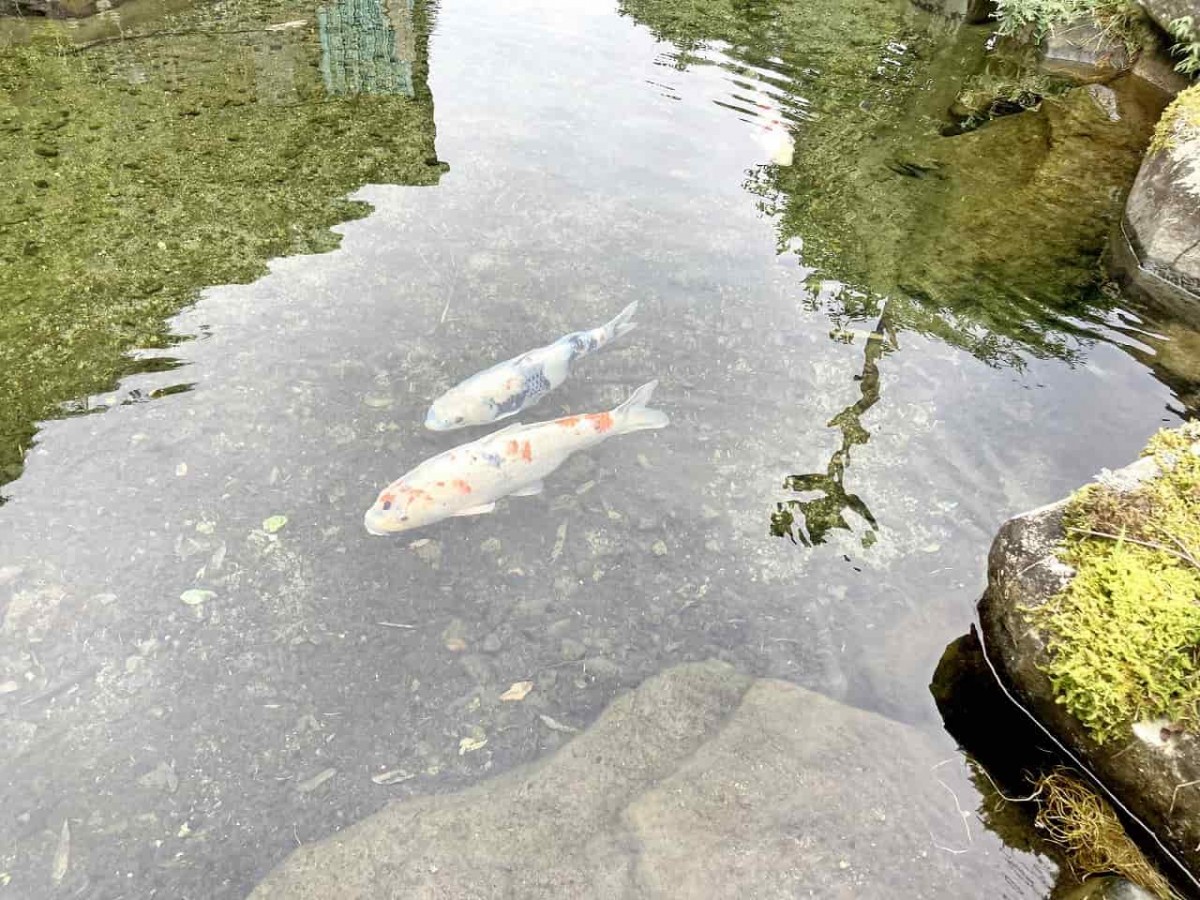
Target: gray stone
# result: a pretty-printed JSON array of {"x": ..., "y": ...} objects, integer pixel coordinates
[
  {"x": 1109, "y": 888},
  {"x": 1024, "y": 572},
  {"x": 1164, "y": 12},
  {"x": 1083, "y": 48},
  {"x": 1161, "y": 233},
  {"x": 970, "y": 11},
  {"x": 701, "y": 783},
  {"x": 1106, "y": 99}
]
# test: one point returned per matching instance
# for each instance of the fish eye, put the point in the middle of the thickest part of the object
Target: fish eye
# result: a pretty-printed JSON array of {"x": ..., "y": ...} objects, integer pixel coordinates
[
  {"x": 458, "y": 420},
  {"x": 387, "y": 504}
]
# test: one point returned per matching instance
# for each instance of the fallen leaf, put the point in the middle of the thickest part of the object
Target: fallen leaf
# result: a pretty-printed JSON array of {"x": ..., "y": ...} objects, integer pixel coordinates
[
  {"x": 392, "y": 776},
  {"x": 555, "y": 725},
  {"x": 470, "y": 744},
  {"x": 62, "y": 855},
  {"x": 311, "y": 784},
  {"x": 519, "y": 691},
  {"x": 196, "y": 596},
  {"x": 273, "y": 524},
  {"x": 456, "y": 645}
]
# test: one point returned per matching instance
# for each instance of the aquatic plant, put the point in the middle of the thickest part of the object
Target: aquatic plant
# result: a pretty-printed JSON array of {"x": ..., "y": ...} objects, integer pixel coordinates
[
  {"x": 147, "y": 165},
  {"x": 1123, "y": 638},
  {"x": 1078, "y": 820}
]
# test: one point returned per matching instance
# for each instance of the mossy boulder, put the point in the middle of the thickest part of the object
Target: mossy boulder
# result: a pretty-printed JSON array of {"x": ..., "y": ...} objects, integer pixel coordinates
[
  {"x": 1158, "y": 252},
  {"x": 1091, "y": 619}
]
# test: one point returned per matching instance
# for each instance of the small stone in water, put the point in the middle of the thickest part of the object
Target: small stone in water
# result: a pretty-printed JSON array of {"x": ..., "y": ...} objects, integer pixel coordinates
[
  {"x": 491, "y": 643},
  {"x": 272, "y": 524},
  {"x": 659, "y": 548},
  {"x": 196, "y": 596},
  {"x": 181, "y": 469},
  {"x": 7, "y": 687}
]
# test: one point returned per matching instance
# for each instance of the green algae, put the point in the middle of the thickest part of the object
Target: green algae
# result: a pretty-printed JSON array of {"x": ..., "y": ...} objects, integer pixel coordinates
[
  {"x": 1124, "y": 636},
  {"x": 139, "y": 170}
]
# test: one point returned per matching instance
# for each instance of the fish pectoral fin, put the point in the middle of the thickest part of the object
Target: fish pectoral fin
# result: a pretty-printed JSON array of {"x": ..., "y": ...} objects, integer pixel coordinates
[
  {"x": 476, "y": 510},
  {"x": 534, "y": 487}
]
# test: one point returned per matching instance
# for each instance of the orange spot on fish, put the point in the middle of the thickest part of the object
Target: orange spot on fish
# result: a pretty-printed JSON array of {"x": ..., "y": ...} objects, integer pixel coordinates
[
  {"x": 600, "y": 421},
  {"x": 463, "y": 487},
  {"x": 512, "y": 448},
  {"x": 527, "y": 452},
  {"x": 441, "y": 484},
  {"x": 569, "y": 421}
]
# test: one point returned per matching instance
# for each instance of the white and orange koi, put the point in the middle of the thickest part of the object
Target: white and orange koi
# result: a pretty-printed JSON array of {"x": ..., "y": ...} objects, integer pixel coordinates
[
  {"x": 516, "y": 384},
  {"x": 512, "y": 462}
]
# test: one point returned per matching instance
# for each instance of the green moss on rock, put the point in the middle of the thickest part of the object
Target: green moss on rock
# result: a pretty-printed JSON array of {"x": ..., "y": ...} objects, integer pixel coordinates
[
  {"x": 1124, "y": 636},
  {"x": 138, "y": 171},
  {"x": 1183, "y": 114}
]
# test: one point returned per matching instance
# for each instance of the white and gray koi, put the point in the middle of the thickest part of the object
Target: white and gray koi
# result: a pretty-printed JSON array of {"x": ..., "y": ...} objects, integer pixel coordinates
[
  {"x": 511, "y": 462},
  {"x": 516, "y": 384}
]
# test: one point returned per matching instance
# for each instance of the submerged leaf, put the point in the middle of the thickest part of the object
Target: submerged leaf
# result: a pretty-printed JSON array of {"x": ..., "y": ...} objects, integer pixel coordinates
[
  {"x": 196, "y": 596},
  {"x": 519, "y": 691},
  {"x": 470, "y": 744},
  {"x": 273, "y": 524}
]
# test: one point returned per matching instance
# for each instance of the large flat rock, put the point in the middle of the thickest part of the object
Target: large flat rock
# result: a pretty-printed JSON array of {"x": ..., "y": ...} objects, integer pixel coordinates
[{"x": 701, "y": 783}]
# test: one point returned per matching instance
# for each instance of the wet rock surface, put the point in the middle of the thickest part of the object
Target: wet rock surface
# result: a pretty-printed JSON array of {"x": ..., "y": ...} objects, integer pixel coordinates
[
  {"x": 703, "y": 782},
  {"x": 1155, "y": 770},
  {"x": 1162, "y": 217}
]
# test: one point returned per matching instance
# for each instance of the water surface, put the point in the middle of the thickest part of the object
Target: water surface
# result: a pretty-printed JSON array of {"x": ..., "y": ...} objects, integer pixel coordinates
[{"x": 819, "y": 509}]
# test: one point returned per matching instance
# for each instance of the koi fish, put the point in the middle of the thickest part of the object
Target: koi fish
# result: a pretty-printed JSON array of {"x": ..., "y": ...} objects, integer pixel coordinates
[
  {"x": 511, "y": 462},
  {"x": 516, "y": 384}
]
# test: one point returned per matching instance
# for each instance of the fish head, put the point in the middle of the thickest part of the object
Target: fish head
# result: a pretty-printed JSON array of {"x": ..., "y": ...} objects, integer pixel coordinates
[
  {"x": 458, "y": 409},
  {"x": 398, "y": 508}
]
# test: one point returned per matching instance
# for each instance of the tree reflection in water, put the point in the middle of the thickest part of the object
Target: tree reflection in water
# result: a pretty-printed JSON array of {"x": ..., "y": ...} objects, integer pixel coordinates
[{"x": 809, "y": 521}]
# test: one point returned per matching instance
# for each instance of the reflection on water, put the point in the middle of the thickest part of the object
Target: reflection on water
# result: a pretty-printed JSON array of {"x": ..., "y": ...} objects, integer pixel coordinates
[
  {"x": 829, "y": 508},
  {"x": 367, "y": 47}
]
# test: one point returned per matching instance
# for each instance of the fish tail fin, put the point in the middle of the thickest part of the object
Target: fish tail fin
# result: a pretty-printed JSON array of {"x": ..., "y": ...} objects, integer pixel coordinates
[
  {"x": 635, "y": 415},
  {"x": 622, "y": 323}
]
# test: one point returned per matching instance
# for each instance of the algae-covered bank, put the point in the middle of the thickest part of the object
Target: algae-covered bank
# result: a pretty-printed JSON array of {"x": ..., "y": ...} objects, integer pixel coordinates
[{"x": 145, "y": 161}]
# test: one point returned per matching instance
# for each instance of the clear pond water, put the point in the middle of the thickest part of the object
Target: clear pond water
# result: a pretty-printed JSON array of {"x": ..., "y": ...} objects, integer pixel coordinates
[{"x": 819, "y": 509}]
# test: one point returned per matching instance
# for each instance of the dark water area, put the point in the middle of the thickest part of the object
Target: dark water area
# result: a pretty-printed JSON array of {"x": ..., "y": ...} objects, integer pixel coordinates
[{"x": 872, "y": 354}]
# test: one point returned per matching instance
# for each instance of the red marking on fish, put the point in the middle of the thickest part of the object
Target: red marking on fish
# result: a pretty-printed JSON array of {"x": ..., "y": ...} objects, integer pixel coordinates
[
  {"x": 441, "y": 484},
  {"x": 463, "y": 487},
  {"x": 527, "y": 452},
  {"x": 600, "y": 421},
  {"x": 569, "y": 421},
  {"x": 388, "y": 498},
  {"x": 512, "y": 448}
]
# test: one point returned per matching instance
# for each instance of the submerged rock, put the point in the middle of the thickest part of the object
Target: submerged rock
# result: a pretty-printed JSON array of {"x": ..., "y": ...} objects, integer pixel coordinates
[
  {"x": 701, "y": 783},
  {"x": 1152, "y": 768},
  {"x": 1084, "y": 49},
  {"x": 1161, "y": 258}
]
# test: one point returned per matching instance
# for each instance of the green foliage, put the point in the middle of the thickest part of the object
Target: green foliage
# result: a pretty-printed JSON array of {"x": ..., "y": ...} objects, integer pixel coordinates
[
  {"x": 139, "y": 170},
  {"x": 1187, "y": 45},
  {"x": 1039, "y": 16},
  {"x": 1124, "y": 636}
]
